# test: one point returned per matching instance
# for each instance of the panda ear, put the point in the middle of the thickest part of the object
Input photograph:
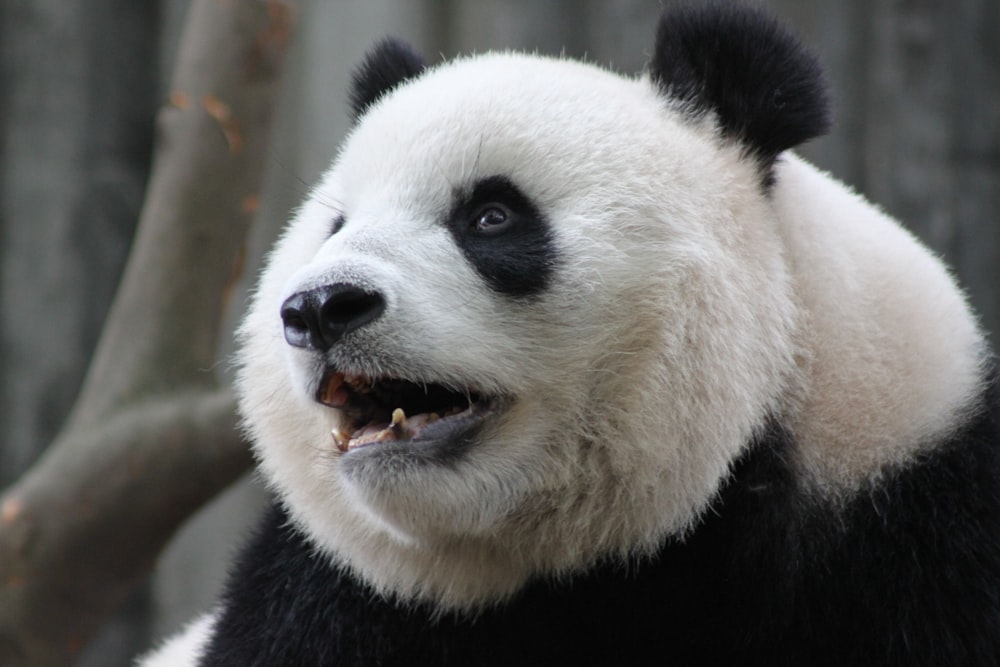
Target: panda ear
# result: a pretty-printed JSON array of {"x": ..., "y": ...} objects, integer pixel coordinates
[
  {"x": 766, "y": 90},
  {"x": 385, "y": 66}
]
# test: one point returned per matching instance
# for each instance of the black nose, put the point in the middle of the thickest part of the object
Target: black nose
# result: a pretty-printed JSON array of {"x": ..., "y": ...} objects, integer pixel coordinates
[{"x": 319, "y": 317}]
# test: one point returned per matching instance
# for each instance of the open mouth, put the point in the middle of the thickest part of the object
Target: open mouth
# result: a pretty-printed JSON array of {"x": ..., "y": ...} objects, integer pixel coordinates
[{"x": 383, "y": 410}]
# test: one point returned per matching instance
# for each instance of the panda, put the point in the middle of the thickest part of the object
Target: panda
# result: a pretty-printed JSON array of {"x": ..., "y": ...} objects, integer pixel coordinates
[{"x": 560, "y": 367}]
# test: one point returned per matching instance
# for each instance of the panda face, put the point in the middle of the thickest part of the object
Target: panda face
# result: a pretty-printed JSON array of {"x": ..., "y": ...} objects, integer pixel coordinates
[
  {"x": 532, "y": 313},
  {"x": 489, "y": 344}
]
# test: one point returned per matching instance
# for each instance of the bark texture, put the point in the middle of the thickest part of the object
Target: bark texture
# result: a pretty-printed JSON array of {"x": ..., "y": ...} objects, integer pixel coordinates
[{"x": 152, "y": 435}]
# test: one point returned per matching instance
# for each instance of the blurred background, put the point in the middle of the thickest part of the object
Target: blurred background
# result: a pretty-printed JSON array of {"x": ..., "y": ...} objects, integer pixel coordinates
[{"x": 916, "y": 85}]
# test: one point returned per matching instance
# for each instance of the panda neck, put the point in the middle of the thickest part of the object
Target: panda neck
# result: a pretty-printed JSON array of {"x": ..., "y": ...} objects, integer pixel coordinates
[{"x": 891, "y": 355}]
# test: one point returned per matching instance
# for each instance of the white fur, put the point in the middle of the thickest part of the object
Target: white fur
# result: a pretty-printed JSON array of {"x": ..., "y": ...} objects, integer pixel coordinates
[
  {"x": 183, "y": 649},
  {"x": 686, "y": 307},
  {"x": 891, "y": 352}
]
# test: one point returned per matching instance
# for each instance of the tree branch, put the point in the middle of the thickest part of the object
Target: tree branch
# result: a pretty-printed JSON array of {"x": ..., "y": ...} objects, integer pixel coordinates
[
  {"x": 85, "y": 527},
  {"x": 151, "y": 436}
]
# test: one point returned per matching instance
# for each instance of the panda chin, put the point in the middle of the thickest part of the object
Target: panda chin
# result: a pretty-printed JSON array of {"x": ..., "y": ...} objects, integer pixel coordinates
[{"x": 396, "y": 417}]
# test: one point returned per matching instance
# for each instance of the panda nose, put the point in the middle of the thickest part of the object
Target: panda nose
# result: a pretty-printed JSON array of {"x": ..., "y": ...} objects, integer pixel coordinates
[{"x": 319, "y": 317}]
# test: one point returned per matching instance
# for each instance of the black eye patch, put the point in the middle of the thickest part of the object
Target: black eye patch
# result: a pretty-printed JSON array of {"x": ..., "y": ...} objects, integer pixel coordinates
[{"x": 504, "y": 236}]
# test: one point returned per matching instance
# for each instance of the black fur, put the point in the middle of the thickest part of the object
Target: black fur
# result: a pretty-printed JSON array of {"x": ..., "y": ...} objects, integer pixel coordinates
[
  {"x": 766, "y": 89},
  {"x": 388, "y": 64},
  {"x": 517, "y": 260},
  {"x": 906, "y": 573}
]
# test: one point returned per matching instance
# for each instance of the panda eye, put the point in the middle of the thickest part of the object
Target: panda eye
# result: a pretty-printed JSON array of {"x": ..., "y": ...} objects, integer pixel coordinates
[{"x": 492, "y": 220}]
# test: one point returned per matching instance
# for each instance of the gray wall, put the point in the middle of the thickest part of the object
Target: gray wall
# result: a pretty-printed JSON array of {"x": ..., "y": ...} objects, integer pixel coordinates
[{"x": 917, "y": 89}]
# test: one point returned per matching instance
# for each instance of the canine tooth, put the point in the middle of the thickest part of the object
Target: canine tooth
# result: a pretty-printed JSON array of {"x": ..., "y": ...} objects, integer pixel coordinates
[
  {"x": 341, "y": 439},
  {"x": 399, "y": 426},
  {"x": 433, "y": 417}
]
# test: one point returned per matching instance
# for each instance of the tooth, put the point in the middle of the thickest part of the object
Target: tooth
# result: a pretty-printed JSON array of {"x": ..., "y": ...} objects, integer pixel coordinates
[
  {"x": 342, "y": 439},
  {"x": 398, "y": 425},
  {"x": 433, "y": 417},
  {"x": 385, "y": 435}
]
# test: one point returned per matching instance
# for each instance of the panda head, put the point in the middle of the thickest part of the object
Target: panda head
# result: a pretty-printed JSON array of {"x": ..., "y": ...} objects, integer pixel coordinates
[{"x": 534, "y": 310}]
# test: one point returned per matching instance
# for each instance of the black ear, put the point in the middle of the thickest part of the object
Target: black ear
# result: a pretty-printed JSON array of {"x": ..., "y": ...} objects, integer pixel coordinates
[
  {"x": 386, "y": 65},
  {"x": 765, "y": 88}
]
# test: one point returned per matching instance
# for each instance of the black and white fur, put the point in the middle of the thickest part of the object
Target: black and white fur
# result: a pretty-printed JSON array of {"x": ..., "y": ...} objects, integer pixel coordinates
[{"x": 719, "y": 409}]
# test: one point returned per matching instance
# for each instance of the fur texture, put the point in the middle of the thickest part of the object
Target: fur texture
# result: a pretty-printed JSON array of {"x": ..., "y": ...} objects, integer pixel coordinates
[
  {"x": 627, "y": 393},
  {"x": 764, "y": 88},
  {"x": 712, "y": 406},
  {"x": 686, "y": 306},
  {"x": 387, "y": 65},
  {"x": 186, "y": 648},
  {"x": 765, "y": 579}
]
